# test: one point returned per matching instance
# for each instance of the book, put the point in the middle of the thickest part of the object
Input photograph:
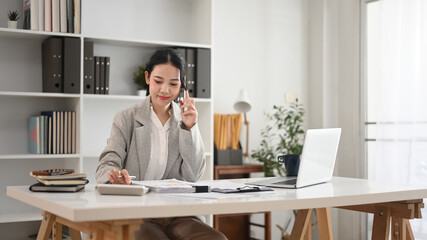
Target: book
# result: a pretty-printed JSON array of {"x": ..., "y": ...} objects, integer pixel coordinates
[
  {"x": 55, "y": 16},
  {"x": 34, "y": 15},
  {"x": 61, "y": 132},
  {"x": 52, "y": 65},
  {"x": 49, "y": 134},
  {"x": 191, "y": 72},
  {"x": 63, "y": 181},
  {"x": 52, "y": 130},
  {"x": 33, "y": 138},
  {"x": 40, "y": 187},
  {"x": 71, "y": 65},
  {"x": 203, "y": 73},
  {"x": 70, "y": 16},
  {"x": 88, "y": 68},
  {"x": 27, "y": 14},
  {"x": 48, "y": 15},
  {"x": 107, "y": 76},
  {"x": 62, "y": 16},
  {"x": 65, "y": 137},
  {"x": 41, "y": 124},
  {"x": 61, "y": 177},
  {"x": 77, "y": 12},
  {"x": 69, "y": 132},
  {"x": 41, "y": 15},
  {"x": 51, "y": 172},
  {"x": 73, "y": 132}
]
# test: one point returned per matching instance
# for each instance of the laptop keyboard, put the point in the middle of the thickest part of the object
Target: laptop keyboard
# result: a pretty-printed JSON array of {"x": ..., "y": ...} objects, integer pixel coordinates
[{"x": 287, "y": 182}]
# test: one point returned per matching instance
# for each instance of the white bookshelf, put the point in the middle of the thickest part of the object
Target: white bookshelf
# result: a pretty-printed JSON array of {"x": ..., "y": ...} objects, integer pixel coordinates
[{"x": 129, "y": 32}]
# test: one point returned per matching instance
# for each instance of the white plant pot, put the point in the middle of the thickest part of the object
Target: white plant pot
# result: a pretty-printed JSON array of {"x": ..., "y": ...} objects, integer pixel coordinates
[
  {"x": 12, "y": 24},
  {"x": 142, "y": 93}
]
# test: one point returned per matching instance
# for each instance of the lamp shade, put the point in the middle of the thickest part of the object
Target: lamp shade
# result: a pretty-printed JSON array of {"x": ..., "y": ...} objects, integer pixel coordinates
[{"x": 242, "y": 104}]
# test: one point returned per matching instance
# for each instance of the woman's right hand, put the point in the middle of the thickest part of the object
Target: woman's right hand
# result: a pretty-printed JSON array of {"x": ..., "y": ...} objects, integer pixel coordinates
[{"x": 119, "y": 177}]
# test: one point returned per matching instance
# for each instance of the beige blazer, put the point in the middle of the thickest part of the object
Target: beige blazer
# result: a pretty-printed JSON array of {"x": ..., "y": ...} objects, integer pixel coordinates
[{"x": 129, "y": 146}]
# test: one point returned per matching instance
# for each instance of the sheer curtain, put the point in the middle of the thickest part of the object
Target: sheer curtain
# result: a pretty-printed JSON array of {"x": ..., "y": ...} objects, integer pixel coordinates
[{"x": 397, "y": 95}]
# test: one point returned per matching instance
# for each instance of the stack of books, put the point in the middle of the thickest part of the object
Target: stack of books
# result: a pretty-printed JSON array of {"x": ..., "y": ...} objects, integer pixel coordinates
[{"x": 58, "y": 180}]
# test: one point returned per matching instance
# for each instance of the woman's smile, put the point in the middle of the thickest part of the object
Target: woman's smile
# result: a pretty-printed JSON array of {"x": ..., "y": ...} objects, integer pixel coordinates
[{"x": 163, "y": 98}]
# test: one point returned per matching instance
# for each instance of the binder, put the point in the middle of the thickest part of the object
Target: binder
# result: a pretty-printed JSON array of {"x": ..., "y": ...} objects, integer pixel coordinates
[
  {"x": 97, "y": 75},
  {"x": 88, "y": 68},
  {"x": 102, "y": 75},
  {"x": 107, "y": 76},
  {"x": 191, "y": 72},
  {"x": 52, "y": 65},
  {"x": 71, "y": 65},
  {"x": 203, "y": 75}
]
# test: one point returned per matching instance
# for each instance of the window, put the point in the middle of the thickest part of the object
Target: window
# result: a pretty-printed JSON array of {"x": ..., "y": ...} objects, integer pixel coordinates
[{"x": 396, "y": 94}]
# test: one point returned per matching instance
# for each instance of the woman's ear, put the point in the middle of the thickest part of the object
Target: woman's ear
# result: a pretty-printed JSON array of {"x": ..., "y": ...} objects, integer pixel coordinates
[{"x": 147, "y": 78}]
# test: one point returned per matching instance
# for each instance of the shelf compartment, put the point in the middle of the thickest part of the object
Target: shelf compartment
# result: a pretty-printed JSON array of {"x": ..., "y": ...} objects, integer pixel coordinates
[{"x": 31, "y": 34}]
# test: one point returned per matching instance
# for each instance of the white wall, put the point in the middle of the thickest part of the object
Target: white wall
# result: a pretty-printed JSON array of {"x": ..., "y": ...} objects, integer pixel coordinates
[{"x": 261, "y": 46}]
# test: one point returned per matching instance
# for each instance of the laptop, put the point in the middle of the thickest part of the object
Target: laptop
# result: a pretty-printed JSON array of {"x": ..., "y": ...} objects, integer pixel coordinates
[{"x": 317, "y": 161}]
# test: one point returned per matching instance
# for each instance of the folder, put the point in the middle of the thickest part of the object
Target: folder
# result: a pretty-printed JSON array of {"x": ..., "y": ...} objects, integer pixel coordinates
[
  {"x": 52, "y": 65},
  {"x": 101, "y": 75},
  {"x": 71, "y": 65},
  {"x": 97, "y": 74},
  {"x": 107, "y": 76},
  {"x": 88, "y": 68},
  {"x": 191, "y": 72},
  {"x": 203, "y": 73}
]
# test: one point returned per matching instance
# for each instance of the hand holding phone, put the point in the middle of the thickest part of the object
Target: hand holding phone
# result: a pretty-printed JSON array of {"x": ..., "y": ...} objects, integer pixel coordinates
[{"x": 188, "y": 111}]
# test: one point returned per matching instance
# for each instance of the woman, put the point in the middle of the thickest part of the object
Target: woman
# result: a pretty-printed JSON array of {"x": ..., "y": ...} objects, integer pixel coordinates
[{"x": 159, "y": 139}]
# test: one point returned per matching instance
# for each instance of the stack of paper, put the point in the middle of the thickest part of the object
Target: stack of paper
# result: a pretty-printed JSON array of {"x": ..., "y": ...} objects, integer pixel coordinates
[{"x": 167, "y": 186}]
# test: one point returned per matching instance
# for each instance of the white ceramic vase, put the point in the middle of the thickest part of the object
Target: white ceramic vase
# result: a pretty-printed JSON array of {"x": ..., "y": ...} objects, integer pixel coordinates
[{"x": 12, "y": 24}]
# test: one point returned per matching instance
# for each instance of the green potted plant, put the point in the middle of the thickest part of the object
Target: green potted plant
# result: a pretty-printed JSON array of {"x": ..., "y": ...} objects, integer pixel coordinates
[
  {"x": 13, "y": 19},
  {"x": 283, "y": 134},
  {"x": 139, "y": 79}
]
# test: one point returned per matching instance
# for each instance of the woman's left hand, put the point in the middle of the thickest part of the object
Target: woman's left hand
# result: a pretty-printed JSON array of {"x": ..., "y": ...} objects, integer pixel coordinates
[{"x": 188, "y": 111}]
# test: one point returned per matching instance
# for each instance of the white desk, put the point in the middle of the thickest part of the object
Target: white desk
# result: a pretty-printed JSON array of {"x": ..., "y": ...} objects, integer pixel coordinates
[{"x": 96, "y": 211}]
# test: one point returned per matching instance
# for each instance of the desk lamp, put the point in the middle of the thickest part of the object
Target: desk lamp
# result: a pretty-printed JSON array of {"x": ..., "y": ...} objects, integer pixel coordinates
[{"x": 243, "y": 105}]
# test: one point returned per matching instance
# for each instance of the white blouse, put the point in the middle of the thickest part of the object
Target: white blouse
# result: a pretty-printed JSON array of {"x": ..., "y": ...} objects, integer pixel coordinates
[{"x": 159, "y": 148}]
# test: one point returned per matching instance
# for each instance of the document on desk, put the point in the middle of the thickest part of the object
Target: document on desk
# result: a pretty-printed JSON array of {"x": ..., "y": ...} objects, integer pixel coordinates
[
  {"x": 232, "y": 190},
  {"x": 172, "y": 186}
]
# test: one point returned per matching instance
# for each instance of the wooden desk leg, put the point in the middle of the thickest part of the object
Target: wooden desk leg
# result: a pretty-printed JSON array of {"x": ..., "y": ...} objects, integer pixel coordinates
[
  {"x": 302, "y": 220},
  {"x": 381, "y": 225},
  {"x": 324, "y": 223},
  {"x": 401, "y": 229},
  {"x": 75, "y": 234},
  {"x": 267, "y": 226},
  {"x": 46, "y": 226},
  {"x": 57, "y": 231}
]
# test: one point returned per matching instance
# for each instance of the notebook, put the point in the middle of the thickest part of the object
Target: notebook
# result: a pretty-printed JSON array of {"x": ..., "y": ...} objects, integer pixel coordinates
[{"x": 317, "y": 161}]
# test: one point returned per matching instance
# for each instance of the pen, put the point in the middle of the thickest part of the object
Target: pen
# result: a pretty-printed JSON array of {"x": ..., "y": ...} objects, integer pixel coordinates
[{"x": 131, "y": 177}]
